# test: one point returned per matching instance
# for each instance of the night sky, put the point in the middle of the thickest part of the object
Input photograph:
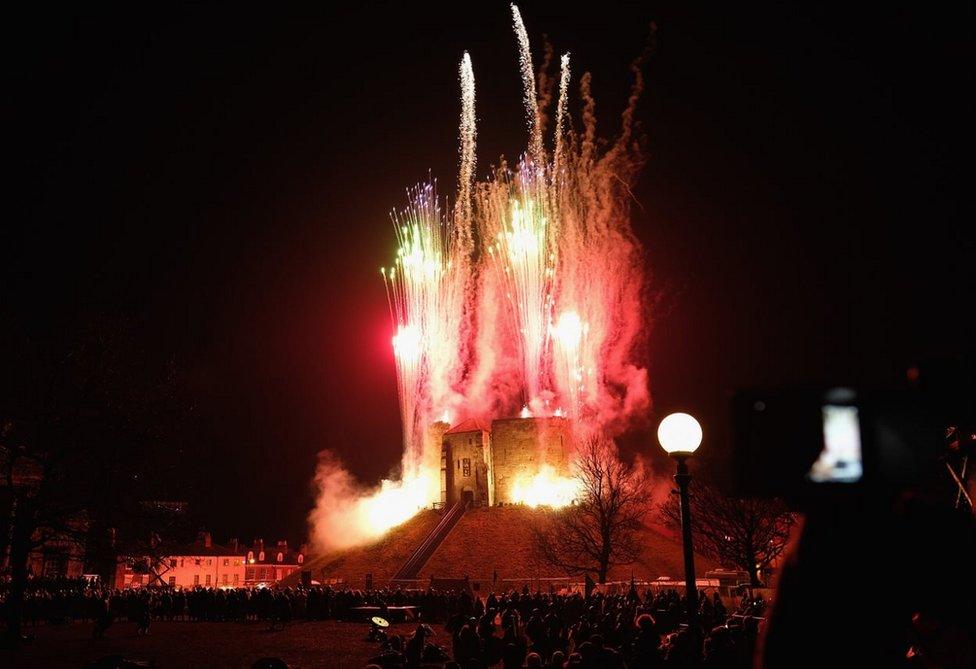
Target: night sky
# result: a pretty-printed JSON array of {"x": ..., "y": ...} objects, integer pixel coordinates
[{"x": 224, "y": 179}]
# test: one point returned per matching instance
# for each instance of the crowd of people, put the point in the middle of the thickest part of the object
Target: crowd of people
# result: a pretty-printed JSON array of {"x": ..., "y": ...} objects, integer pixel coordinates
[
  {"x": 539, "y": 630},
  {"x": 515, "y": 629}
]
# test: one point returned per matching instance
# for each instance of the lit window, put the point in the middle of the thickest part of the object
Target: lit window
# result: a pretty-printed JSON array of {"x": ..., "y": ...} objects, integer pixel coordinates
[
  {"x": 261, "y": 556},
  {"x": 301, "y": 558},
  {"x": 250, "y": 556},
  {"x": 281, "y": 557},
  {"x": 226, "y": 562}
]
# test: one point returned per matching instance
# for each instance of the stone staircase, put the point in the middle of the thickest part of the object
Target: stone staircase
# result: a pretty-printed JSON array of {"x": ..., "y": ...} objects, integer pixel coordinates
[{"x": 412, "y": 566}]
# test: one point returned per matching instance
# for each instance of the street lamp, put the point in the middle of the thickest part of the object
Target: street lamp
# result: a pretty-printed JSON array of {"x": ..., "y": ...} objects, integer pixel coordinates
[{"x": 680, "y": 434}]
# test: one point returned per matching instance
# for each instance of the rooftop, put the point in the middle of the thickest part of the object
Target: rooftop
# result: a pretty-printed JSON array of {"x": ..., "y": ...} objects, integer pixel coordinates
[{"x": 468, "y": 425}]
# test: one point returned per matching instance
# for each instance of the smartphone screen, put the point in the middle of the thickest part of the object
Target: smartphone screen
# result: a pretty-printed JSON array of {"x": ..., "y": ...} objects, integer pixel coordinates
[{"x": 840, "y": 459}]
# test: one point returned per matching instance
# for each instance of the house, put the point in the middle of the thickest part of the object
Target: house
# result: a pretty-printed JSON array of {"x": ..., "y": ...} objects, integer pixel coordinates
[
  {"x": 267, "y": 566},
  {"x": 206, "y": 564}
]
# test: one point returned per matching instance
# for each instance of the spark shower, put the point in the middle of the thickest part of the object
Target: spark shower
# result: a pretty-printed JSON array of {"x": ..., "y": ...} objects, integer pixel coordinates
[{"x": 523, "y": 298}]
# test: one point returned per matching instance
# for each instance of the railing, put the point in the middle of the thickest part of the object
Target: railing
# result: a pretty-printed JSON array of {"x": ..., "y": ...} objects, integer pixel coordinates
[{"x": 412, "y": 567}]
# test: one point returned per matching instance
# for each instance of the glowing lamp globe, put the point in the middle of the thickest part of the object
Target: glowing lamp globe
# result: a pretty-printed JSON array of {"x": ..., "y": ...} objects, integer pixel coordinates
[{"x": 679, "y": 433}]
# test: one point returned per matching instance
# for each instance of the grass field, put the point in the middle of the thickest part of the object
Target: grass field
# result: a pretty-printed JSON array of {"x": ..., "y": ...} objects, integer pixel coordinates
[{"x": 212, "y": 645}]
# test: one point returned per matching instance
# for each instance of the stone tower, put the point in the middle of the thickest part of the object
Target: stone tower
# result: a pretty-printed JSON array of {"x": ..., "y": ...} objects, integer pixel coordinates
[
  {"x": 466, "y": 464},
  {"x": 522, "y": 446}
]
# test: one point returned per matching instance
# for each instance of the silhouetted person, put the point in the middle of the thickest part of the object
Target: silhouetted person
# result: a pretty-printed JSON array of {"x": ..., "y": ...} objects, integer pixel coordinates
[
  {"x": 103, "y": 617},
  {"x": 905, "y": 558}
]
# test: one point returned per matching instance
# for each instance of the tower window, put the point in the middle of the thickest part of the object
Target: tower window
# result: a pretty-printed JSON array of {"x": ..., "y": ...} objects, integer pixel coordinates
[{"x": 466, "y": 466}]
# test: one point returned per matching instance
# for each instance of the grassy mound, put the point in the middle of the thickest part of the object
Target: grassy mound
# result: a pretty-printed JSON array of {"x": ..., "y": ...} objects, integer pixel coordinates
[{"x": 489, "y": 545}]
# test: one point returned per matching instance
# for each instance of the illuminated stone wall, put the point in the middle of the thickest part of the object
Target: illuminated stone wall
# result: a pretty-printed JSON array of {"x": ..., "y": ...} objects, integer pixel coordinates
[
  {"x": 466, "y": 457},
  {"x": 486, "y": 465},
  {"x": 435, "y": 435},
  {"x": 520, "y": 446}
]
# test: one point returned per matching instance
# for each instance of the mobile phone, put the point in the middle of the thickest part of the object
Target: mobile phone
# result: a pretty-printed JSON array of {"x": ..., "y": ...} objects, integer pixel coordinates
[{"x": 840, "y": 460}]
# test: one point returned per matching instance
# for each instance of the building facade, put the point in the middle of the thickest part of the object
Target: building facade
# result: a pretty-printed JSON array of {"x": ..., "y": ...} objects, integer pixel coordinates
[
  {"x": 206, "y": 564},
  {"x": 269, "y": 565}
]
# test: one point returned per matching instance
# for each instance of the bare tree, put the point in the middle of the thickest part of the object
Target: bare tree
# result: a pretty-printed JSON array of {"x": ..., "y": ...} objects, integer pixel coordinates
[
  {"x": 746, "y": 533},
  {"x": 149, "y": 534},
  {"x": 600, "y": 530}
]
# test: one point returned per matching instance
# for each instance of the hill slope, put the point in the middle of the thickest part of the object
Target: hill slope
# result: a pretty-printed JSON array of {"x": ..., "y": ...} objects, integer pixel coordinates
[
  {"x": 486, "y": 542},
  {"x": 490, "y": 540},
  {"x": 381, "y": 558}
]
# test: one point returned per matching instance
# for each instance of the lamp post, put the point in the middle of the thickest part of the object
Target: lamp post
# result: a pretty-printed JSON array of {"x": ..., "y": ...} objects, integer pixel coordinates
[{"x": 680, "y": 434}]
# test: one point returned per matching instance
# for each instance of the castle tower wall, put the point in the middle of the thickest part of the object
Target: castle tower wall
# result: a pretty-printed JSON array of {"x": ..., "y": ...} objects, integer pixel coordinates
[
  {"x": 520, "y": 446},
  {"x": 435, "y": 435},
  {"x": 466, "y": 466}
]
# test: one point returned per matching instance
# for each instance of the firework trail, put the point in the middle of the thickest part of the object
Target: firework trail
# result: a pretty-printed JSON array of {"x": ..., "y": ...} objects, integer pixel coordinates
[
  {"x": 544, "y": 83},
  {"x": 519, "y": 228},
  {"x": 570, "y": 332},
  {"x": 427, "y": 289},
  {"x": 600, "y": 274},
  {"x": 414, "y": 290},
  {"x": 536, "y": 152},
  {"x": 467, "y": 133},
  {"x": 521, "y": 253},
  {"x": 561, "y": 111}
]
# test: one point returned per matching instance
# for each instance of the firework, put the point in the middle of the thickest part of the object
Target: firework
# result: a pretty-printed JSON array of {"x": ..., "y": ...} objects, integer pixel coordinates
[
  {"x": 536, "y": 151},
  {"x": 561, "y": 111},
  {"x": 521, "y": 264},
  {"x": 426, "y": 288},
  {"x": 525, "y": 299},
  {"x": 467, "y": 133}
]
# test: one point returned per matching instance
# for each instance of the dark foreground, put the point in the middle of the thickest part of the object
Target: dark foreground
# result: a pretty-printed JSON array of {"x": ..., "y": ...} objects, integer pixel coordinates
[{"x": 201, "y": 644}]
